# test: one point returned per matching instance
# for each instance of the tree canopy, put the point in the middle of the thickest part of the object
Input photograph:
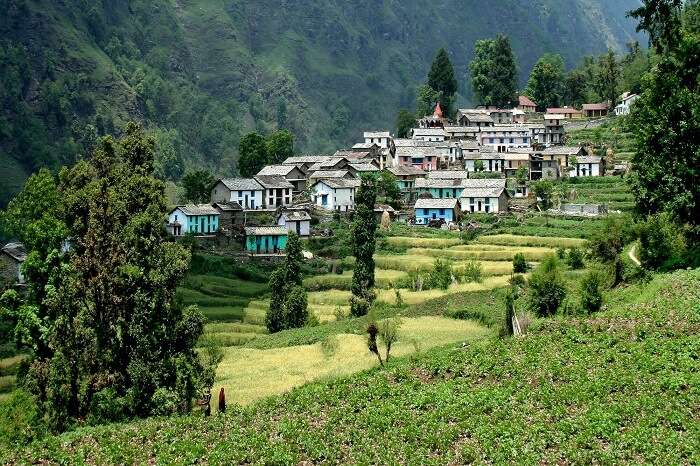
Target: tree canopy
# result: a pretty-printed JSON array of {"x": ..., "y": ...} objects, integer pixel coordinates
[
  {"x": 197, "y": 186},
  {"x": 546, "y": 83},
  {"x": 494, "y": 72},
  {"x": 442, "y": 79}
]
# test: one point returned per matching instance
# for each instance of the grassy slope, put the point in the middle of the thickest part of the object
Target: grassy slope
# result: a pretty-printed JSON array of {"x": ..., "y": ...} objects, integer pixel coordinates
[{"x": 618, "y": 387}]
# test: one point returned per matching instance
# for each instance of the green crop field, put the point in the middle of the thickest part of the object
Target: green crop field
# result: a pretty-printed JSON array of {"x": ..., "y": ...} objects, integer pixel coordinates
[
  {"x": 618, "y": 387},
  {"x": 536, "y": 241}
]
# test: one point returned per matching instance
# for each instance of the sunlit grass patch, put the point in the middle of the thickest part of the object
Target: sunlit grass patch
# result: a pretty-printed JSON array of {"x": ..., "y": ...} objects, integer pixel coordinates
[
  {"x": 410, "y": 242},
  {"x": 538, "y": 241},
  {"x": 417, "y": 297},
  {"x": 505, "y": 254},
  {"x": 329, "y": 297},
  {"x": 383, "y": 278},
  {"x": 418, "y": 262},
  {"x": 251, "y": 374}
]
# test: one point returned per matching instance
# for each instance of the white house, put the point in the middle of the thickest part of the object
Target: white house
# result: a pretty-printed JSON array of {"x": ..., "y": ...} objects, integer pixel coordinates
[
  {"x": 381, "y": 138},
  {"x": 627, "y": 100},
  {"x": 247, "y": 192},
  {"x": 278, "y": 191},
  {"x": 298, "y": 221},
  {"x": 484, "y": 195},
  {"x": 429, "y": 134},
  {"x": 553, "y": 129},
  {"x": 198, "y": 219},
  {"x": 588, "y": 166},
  {"x": 506, "y": 137},
  {"x": 335, "y": 194},
  {"x": 291, "y": 173},
  {"x": 491, "y": 160}
]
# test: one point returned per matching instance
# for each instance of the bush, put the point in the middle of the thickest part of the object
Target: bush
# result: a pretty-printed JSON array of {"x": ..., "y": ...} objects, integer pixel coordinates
[
  {"x": 519, "y": 263},
  {"x": 561, "y": 253},
  {"x": 662, "y": 244},
  {"x": 591, "y": 295},
  {"x": 546, "y": 287},
  {"x": 441, "y": 275},
  {"x": 575, "y": 259},
  {"x": 106, "y": 407},
  {"x": 473, "y": 272},
  {"x": 21, "y": 420},
  {"x": 164, "y": 402},
  {"x": 389, "y": 334},
  {"x": 607, "y": 242}
]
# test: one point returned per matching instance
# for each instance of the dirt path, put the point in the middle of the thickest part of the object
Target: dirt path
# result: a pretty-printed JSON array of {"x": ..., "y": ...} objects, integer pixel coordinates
[{"x": 632, "y": 255}]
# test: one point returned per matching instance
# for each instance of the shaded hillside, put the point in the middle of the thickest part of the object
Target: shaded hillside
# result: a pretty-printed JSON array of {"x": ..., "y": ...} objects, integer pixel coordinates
[{"x": 202, "y": 72}]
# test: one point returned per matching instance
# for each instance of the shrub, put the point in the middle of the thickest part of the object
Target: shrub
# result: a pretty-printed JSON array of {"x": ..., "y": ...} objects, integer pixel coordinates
[
  {"x": 107, "y": 406},
  {"x": 662, "y": 243},
  {"x": 164, "y": 402},
  {"x": 591, "y": 295},
  {"x": 607, "y": 242},
  {"x": 338, "y": 313},
  {"x": 389, "y": 334},
  {"x": 575, "y": 259},
  {"x": 561, "y": 253},
  {"x": 517, "y": 281},
  {"x": 473, "y": 272},
  {"x": 441, "y": 275},
  {"x": 546, "y": 287},
  {"x": 399, "y": 299},
  {"x": 519, "y": 263},
  {"x": 296, "y": 313},
  {"x": 21, "y": 420}
]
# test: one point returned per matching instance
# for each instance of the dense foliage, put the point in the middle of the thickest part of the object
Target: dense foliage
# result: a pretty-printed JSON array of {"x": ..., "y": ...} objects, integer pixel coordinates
[
  {"x": 494, "y": 73},
  {"x": 441, "y": 78},
  {"x": 364, "y": 230},
  {"x": 288, "y": 303},
  {"x": 107, "y": 338}
]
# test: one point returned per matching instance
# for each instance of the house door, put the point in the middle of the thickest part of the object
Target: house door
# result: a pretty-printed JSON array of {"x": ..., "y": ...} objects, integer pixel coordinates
[
  {"x": 201, "y": 225},
  {"x": 324, "y": 200},
  {"x": 298, "y": 224},
  {"x": 478, "y": 206},
  {"x": 246, "y": 201}
]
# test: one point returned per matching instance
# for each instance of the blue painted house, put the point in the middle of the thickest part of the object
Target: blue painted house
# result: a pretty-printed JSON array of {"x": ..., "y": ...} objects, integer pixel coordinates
[
  {"x": 440, "y": 188},
  {"x": 436, "y": 209},
  {"x": 266, "y": 240},
  {"x": 198, "y": 219}
]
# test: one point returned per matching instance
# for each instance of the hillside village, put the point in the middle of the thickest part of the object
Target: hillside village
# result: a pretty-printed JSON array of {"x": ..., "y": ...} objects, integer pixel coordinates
[{"x": 482, "y": 162}]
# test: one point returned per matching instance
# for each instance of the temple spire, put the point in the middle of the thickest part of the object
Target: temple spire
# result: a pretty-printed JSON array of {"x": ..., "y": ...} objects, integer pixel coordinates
[{"x": 438, "y": 111}]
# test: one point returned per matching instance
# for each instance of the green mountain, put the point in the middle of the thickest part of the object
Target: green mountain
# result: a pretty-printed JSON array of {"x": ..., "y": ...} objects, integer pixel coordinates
[{"x": 200, "y": 73}]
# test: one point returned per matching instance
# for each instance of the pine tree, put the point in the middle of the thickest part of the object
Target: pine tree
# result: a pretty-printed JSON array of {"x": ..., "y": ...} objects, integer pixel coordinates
[
  {"x": 442, "y": 79},
  {"x": 364, "y": 230},
  {"x": 504, "y": 74}
]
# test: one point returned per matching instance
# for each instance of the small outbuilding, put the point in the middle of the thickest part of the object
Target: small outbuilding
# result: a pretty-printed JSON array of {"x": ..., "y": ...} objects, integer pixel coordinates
[
  {"x": 298, "y": 221},
  {"x": 266, "y": 241},
  {"x": 12, "y": 256},
  {"x": 427, "y": 210},
  {"x": 197, "y": 219}
]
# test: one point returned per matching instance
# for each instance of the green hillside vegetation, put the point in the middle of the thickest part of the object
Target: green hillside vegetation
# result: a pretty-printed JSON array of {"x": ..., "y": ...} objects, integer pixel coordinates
[
  {"x": 200, "y": 74},
  {"x": 616, "y": 387}
]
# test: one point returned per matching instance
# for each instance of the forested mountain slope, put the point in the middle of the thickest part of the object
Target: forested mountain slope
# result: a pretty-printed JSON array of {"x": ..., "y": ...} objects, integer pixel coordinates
[{"x": 202, "y": 72}]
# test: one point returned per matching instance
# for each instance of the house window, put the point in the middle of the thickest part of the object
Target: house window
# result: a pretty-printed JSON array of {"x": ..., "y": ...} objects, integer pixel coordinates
[
  {"x": 176, "y": 218},
  {"x": 491, "y": 140},
  {"x": 442, "y": 212}
]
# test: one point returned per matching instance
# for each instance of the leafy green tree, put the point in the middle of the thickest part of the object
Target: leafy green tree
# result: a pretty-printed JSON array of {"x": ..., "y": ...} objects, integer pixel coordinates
[
  {"x": 442, "y": 79},
  {"x": 279, "y": 146},
  {"x": 575, "y": 88},
  {"x": 519, "y": 263},
  {"x": 252, "y": 150},
  {"x": 405, "y": 122},
  {"x": 426, "y": 100},
  {"x": 607, "y": 81},
  {"x": 664, "y": 119},
  {"x": 544, "y": 190},
  {"x": 274, "y": 318},
  {"x": 494, "y": 72},
  {"x": 197, "y": 186},
  {"x": 478, "y": 166},
  {"x": 388, "y": 188},
  {"x": 169, "y": 164},
  {"x": 608, "y": 241},
  {"x": 105, "y": 308},
  {"x": 364, "y": 228},
  {"x": 296, "y": 307},
  {"x": 546, "y": 289},
  {"x": 575, "y": 259},
  {"x": 662, "y": 243},
  {"x": 521, "y": 175},
  {"x": 441, "y": 275},
  {"x": 546, "y": 83},
  {"x": 288, "y": 303}
]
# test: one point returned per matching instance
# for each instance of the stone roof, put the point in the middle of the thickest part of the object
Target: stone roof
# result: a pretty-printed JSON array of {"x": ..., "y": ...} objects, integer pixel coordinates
[
  {"x": 340, "y": 183},
  {"x": 353, "y": 153},
  {"x": 507, "y": 129},
  {"x": 562, "y": 150},
  {"x": 526, "y": 101},
  {"x": 271, "y": 182},
  {"x": 327, "y": 174},
  {"x": 17, "y": 251},
  {"x": 305, "y": 159},
  {"x": 276, "y": 170},
  {"x": 477, "y": 117},
  {"x": 439, "y": 183},
  {"x": 482, "y": 155},
  {"x": 448, "y": 175},
  {"x": 265, "y": 231},
  {"x": 418, "y": 151},
  {"x": 589, "y": 159},
  {"x": 554, "y": 116},
  {"x": 227, "y": 206},
  {"x": 327, "y": 164},
  {"x": 364, "y": 167},
  {"x": 428, "y": 132},
  {"x": 482, "y": 192},
  {"x": 294, "y": 216},
  {"x": 563, "y": 110},
  {"x": 383, "y": 208},
  {"x": 484, "y": 183},
  {"x": 436, "y": 203},
  {"x": 403, "y": 170},
  {"x": 241, "y": 184},
  {"x": 197, "y": 209},
  {"x": 462, "y": 129},
  {"x": 377, "y": 134}
]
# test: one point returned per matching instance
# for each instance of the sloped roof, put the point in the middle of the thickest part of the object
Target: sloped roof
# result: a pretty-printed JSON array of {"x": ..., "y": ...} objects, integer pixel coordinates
[
  {"x": 326, "y": 174},
  {"x": 273, "y": 182},
  {"x": 305, "y": 159},
  {"x": 377, "y": 134},
  {"x": 263, "y": 231},
  {"x": 462, "y": 129},
  {"x": 383, "y": 208},
  {"x": 241, "y": 184},
  {"x": 403, "y": 170},
  {"x": 419, "y": 151},
  {"x": 589, "y": 159},
  {"x": 554, "y": 116},
  {"x": 353, "y": 153},
  {"x": 563, "y": 110},
  {"x": 436, "y": 203},
  {"x": 227, "y": 206},
  {"x": 295, "y": 215},
  {"x": 276, "y": 170},
  {"x": 17, "y": 251},
  {"x": 448, "y": 174},
  {"x": 438, "y": 183},
  {"x": 562, "y": 150},
  {"x": 482, "y": 192},
  {"x": 341, "y": 183},
  {"x": 428, "y": 132},
  {"x": 525, "y": 101},
  {"x": 197, "y": 209},
  {"x": 364, "y": 167},
  {"x": 600, "y": 106},
  {"x": 484, "y": 183}
]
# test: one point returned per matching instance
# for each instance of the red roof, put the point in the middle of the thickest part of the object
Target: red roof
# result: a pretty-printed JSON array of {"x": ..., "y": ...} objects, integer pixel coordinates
[
  {"x": 524, "y": 101},
  {"x": 601, "y": 106},
  {"x": 563, "y": 110},
  {"x": 438, "y": 111}
]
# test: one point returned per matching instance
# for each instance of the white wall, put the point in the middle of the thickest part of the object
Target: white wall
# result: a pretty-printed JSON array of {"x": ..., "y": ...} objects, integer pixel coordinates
[
  {"x": 494, "y": 205},
  {"x": 591, "y": 169},
  {"x": 178, "y": 216},
  {"x": 342, "y": 199},
  {"x": 304, "y": 227}
]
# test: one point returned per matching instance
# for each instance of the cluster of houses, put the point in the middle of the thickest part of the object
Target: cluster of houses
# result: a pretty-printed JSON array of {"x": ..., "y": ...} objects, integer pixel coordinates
[{"x": 445, "y": 169}]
